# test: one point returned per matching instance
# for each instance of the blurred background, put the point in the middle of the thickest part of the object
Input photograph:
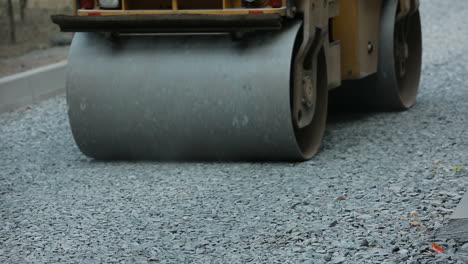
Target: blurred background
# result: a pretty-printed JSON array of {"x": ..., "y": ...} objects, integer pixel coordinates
[{"x": 29, "y": 38}]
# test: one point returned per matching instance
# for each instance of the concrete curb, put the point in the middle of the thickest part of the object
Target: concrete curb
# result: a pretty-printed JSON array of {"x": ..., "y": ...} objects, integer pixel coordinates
[
  {"x": 457, "y": 227},
  {"x": 31, "y": 87},
  {"x": 461, "y": 212}
]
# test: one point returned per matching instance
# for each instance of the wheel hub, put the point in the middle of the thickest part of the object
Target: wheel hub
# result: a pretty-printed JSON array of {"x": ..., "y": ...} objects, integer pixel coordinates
[
  {"x": 401, "y": 46},
  {"x": 308, "y": 87}
]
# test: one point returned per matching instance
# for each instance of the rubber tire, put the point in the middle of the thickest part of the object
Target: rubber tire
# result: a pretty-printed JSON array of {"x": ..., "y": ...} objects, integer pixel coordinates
[{"x": 385, "y": 91}]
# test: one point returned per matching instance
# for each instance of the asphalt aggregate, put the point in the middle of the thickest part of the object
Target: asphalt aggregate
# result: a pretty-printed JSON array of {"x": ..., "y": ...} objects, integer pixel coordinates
[{"x": 378, "y": 191}]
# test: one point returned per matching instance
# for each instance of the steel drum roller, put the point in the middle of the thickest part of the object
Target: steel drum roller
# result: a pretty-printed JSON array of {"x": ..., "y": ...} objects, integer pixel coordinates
[{"x": 191, "y": 97}]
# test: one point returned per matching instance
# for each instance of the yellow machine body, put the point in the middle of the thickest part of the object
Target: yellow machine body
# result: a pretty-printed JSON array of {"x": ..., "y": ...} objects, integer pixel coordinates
[
  {"x": 357, "y": 29},
  {"x": 354, "y": 25}
]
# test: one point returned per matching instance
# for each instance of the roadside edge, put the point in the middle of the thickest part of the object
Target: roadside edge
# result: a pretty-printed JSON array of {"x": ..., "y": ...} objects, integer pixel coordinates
[{"x": 33, "y": 86}]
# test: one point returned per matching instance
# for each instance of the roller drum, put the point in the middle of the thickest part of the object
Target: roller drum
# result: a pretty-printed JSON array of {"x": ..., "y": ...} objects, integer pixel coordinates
[{"x": 194, "y": 97}]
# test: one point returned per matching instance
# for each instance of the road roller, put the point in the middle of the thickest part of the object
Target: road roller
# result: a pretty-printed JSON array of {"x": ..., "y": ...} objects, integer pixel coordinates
[{"x": 231, "y": 79}]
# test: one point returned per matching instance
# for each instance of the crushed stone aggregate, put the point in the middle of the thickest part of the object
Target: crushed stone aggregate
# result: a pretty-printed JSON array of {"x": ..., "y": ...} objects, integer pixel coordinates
[{"x": 377, "y": 193}]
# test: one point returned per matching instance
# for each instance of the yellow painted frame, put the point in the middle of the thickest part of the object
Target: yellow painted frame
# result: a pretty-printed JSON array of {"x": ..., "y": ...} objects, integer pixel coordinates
[
  {"x": 230, "y": 7},
  {"x": 357, "y": 28}
]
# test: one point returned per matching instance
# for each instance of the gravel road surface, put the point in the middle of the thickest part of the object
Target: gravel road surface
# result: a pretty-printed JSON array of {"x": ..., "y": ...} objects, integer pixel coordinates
[{"x": 378, "y": 191}]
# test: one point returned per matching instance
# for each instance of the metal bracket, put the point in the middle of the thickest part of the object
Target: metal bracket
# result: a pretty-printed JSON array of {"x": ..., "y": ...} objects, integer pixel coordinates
[
  {"x": 407, "y": 7},
  {"x": 305, "y": 63}
]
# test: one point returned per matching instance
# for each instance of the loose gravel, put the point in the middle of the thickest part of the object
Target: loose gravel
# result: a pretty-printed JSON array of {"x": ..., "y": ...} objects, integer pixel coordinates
[{"x": 378, "y": 191}]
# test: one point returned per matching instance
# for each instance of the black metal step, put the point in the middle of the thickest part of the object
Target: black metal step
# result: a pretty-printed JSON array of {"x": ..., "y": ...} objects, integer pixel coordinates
[{"x": 172, "y": 23}]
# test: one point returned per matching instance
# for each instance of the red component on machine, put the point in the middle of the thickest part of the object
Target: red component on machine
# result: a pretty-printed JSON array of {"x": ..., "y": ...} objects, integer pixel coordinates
[
  {"x": 87, "y": 4},
  {"x": 276, "y": 3},
  {"x": 255, "y": 12}
]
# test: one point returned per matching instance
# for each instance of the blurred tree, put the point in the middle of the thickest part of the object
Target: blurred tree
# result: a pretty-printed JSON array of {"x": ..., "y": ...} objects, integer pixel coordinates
[
  {"x": 11, "y": 17},
  {"x": 23, "y": 4}
]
